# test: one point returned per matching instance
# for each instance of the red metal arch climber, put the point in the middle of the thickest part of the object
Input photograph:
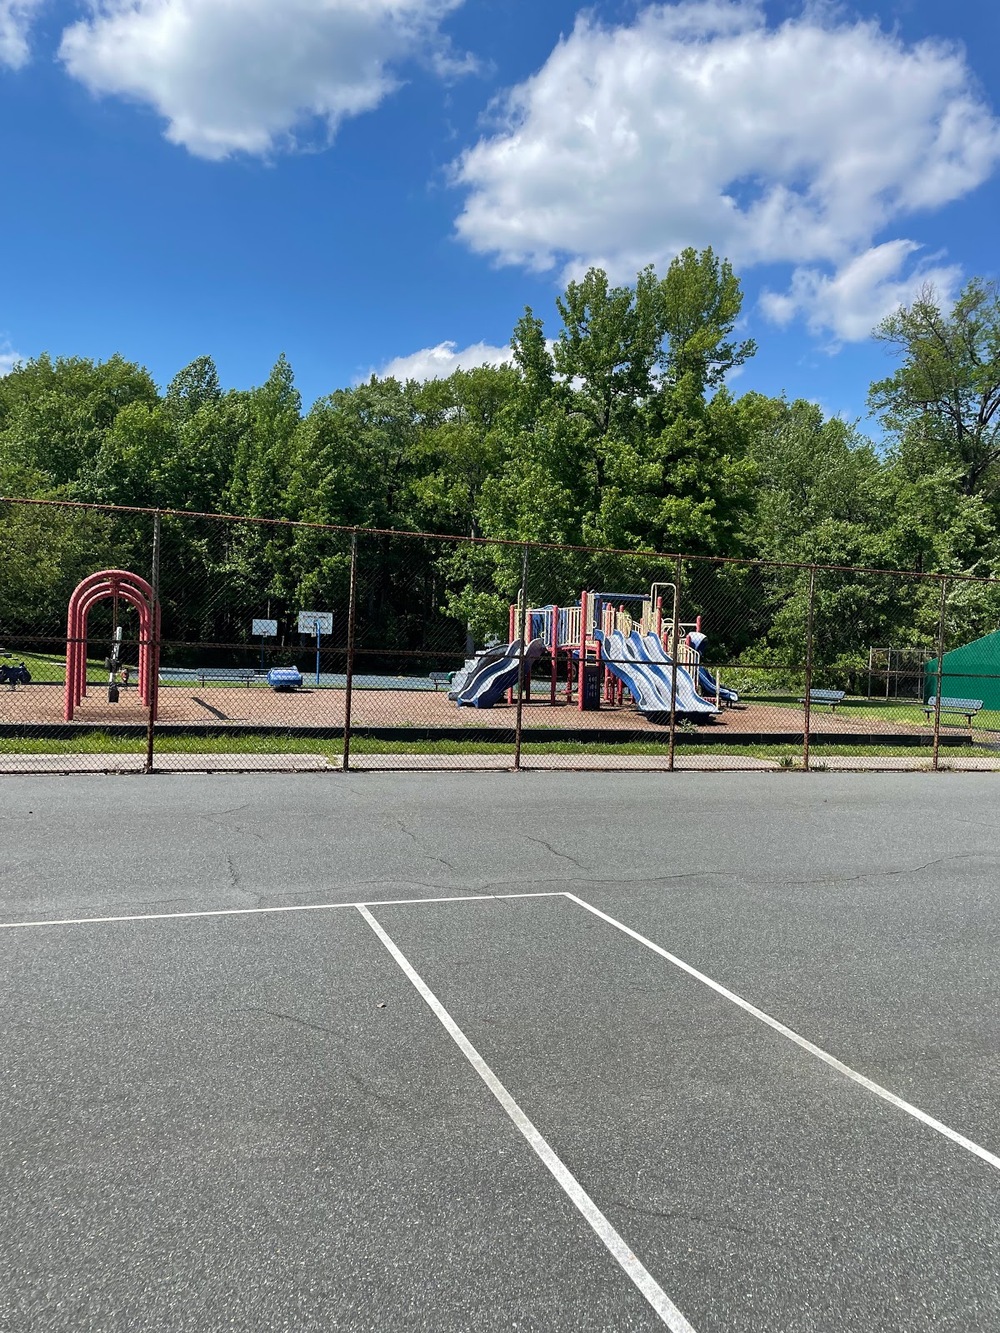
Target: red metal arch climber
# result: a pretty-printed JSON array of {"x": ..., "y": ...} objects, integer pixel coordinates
[{"x": 112, "y": 583}]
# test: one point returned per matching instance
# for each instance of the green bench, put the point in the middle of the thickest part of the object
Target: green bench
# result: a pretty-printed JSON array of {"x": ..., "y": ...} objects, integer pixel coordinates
[
  {"x": 227, "y": 678},
  {"x": 967, "y": 708},
  {"x": 829, "y": 697}
]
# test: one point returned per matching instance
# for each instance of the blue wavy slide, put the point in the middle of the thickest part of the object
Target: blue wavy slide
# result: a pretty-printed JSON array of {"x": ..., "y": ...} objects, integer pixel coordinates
[
  {"x": 473, "y": 670},
  {"x": 498, "y": 676},
  {"x": 705, "y": 678},
  {"x": 707, "y": 682},
  {"x": 647, "y": 679},
  {"x": 649, "y": 649},
  {"x": 650, "y": 696}
]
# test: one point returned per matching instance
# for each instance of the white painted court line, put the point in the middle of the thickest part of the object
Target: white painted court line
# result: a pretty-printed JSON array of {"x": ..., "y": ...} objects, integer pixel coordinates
[
  {"x": 264, "y": 911},
  {"x": 605, "y": 1232},
  {"x": 977, "y": 1151}
]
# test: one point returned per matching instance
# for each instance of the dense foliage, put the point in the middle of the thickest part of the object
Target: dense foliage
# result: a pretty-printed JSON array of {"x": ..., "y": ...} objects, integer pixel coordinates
[{"x": 621, "y": 432}]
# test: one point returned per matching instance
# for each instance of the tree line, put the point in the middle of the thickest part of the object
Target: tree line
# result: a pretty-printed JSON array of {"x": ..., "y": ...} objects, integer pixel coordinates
[{"x": 623, "y": 432}]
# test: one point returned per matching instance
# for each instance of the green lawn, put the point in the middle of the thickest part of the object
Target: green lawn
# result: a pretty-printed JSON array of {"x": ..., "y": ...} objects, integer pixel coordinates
[
  {"x": 881, "y": 710},
  {"x": 48, "y": 669}
]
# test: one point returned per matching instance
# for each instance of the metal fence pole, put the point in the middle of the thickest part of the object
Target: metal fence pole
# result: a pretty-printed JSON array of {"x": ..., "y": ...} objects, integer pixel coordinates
[
  {"x": 153, "y": 652},
  {"x": 939, "y": 673},
  {"x": 522, "y": 620},
  {"x": 807, "y": 719},
  {"x": 349, "y": 682},
  {"x": 675, "y": 635}
]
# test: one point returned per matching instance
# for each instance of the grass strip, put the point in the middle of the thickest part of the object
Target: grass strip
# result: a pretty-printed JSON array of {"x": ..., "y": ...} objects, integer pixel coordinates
[{"x": 101, "y": 743}]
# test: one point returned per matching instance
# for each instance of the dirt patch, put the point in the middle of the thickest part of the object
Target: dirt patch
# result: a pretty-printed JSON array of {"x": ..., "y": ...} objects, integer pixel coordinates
[{"x": 233, "y": 705}]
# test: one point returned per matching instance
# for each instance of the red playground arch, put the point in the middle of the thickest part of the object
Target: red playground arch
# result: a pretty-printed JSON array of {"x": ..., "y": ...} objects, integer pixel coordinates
[{"x": 112, "y": 583}]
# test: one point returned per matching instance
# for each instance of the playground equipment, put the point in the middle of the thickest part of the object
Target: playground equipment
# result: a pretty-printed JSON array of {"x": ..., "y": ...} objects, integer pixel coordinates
[
  {"x": 284, "y": 678},
  {"x": 112, "y": 663},
  {"x": 706, "y": 681},
  {"x": 628, "y": 639},
  {"x": 493, "y": 675},
  {"x": 642, "y": 666},
  {"x": 473, "y": 666},
  {"x": 15, "y": 675},
  {"x": 117, "y": 585}
]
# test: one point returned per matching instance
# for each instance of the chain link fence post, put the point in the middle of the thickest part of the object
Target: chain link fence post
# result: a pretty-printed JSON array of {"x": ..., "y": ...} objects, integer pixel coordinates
[
  {"x": 352, "y": 597},
  {"x": 674, "y": 649},
  {"x": 522, "y": 613},
  {"x": 807, "y": 693},
  {"x": 939, "y": 673},
  {"x": 153, "y": 651}
]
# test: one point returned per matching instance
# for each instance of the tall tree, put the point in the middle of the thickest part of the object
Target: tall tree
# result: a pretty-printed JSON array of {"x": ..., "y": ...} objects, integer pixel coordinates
[
  {"x": 54, "y": 414},
  {"x": 193, "y": 387},
  {"x": 942, "y": 405}
]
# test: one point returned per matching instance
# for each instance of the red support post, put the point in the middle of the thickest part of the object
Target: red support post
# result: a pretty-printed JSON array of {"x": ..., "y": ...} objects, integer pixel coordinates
[
  {"x": 584, "y": 607},
  {"x": 97, "y": 587}
]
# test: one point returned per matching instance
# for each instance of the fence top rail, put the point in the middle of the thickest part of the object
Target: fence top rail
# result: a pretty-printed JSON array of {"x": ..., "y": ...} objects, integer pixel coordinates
[{"x": 631, "y": 553}]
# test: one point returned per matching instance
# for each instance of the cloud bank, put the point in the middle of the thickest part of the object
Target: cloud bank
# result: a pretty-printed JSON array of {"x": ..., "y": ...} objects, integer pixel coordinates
[
  {"x": 247, "y": 76},
  {"x": 698, "y": 124},
  {"x": 9, "y": 358},
  {"x": 437, "y": 363},
  {"x": 15, "y": 25}
]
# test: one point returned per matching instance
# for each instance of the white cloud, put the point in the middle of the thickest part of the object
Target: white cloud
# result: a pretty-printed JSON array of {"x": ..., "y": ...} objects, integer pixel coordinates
[
  {"x": 857, "y": 296},
  {"x": 8, "y": 357},
  {"x": 233, "y": 76},
  {"x": 437, "y": 363},
  {"x": 698, "y": 124},
  {"x": 15, "y": 24}
]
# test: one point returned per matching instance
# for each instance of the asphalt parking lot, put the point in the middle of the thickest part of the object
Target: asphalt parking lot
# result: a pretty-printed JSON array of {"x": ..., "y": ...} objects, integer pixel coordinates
[{"x": 494, "y": 1051}]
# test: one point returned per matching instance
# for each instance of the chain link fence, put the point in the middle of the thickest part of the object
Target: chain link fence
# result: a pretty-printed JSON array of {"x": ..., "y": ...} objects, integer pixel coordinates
[{"x": 141, "y": 641}]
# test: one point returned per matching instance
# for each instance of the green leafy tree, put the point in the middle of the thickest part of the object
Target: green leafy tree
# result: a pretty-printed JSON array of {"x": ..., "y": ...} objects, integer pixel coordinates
[
  {"x": 54, "y": 414},
  {"x": 941, "y": 407}
]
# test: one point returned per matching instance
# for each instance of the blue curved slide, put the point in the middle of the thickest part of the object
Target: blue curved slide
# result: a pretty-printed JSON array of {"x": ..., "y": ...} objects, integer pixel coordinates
[
  {"x": 473, "y": 670},
  {"x": 650, "y": 649},
  {"x": 646, "y": 678},
  {"x": 499, "y": 676},
  {"x": 707, "y": 682},
  {"x": 651, "y": 698}
]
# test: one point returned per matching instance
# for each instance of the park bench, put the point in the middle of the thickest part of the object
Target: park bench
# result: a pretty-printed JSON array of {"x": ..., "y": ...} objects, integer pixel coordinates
[
  {"x": 440, "y": 678},
  {"x": 829, "y": 697},
  {"x": 228, "y": 677},
  {"x": 967, "y": 708}
]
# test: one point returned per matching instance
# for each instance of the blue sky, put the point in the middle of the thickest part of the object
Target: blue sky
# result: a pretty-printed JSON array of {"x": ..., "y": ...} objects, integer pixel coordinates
[{"x": 372, "y": 184}]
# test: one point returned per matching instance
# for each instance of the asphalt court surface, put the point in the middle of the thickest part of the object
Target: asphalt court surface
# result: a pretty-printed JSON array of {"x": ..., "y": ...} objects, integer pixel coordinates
[{"x": 255, "y": 1120}]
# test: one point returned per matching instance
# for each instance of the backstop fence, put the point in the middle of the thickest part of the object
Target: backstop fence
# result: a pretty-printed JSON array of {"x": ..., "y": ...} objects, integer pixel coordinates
[{"x": 214, "y": 642}]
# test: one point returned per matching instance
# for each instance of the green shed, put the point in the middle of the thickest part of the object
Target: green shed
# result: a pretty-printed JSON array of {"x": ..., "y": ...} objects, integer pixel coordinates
[{"x": 969, "y": 672}]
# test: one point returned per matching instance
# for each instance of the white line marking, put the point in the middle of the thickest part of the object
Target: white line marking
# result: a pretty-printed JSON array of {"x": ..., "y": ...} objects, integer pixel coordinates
[
  {"x": 983, "y": 1153},
  {"x": 259, "y": 911},
  {"x": 605, "y": 1232}
]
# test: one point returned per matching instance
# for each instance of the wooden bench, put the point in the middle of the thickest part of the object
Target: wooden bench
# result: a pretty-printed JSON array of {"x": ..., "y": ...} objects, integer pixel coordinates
[
  {"x": 830, "y": 697},
  {"x": 967, "y": 708},
  {"x": 440, "y": 678}
]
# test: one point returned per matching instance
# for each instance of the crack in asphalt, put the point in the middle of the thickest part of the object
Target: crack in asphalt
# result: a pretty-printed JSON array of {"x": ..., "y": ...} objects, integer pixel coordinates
[
  {"x": 291, "y": 1018},
  {"x": 218, "y": 822},
  {"x": 428, "y": 856},
  {"x": 874, "y": 874},
  {"x": 565, "y": 856},
  {"x": 236, "y": 881}
]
